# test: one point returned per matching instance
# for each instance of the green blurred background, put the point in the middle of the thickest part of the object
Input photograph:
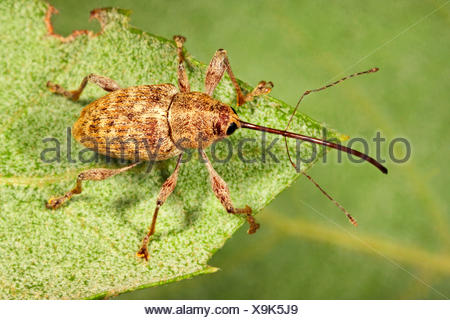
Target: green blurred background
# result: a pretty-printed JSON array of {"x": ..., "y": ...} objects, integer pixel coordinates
[{"x": 305, "y": 248}]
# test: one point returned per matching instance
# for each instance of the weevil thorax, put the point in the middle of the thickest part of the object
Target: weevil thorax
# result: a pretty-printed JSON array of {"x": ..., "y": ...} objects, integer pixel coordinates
[{"x": 196, "y": 120}]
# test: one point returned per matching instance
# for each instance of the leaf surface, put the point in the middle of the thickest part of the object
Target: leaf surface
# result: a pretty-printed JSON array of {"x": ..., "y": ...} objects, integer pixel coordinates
[{"x": 87, "y": 248}]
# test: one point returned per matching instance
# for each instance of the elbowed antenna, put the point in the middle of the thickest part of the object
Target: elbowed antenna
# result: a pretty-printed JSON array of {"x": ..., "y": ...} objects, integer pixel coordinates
[{"x": 314, "y": 140}]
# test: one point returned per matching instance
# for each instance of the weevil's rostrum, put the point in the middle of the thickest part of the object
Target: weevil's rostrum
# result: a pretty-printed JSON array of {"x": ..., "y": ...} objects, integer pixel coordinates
[{"x": 158, "y": 122}]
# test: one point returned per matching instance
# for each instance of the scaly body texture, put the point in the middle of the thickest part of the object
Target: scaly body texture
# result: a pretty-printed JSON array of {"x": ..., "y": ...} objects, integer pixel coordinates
[{"x": 129, "y": 123}]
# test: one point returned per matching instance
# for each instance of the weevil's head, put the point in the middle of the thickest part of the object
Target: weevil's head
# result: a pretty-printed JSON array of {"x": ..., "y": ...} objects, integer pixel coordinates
[
  {"x": 197, "y": 120},
  {"x": 232, "y": 123}
]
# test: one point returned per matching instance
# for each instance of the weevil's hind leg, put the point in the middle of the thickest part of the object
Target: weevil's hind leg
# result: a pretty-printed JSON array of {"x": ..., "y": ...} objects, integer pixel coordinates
[
  {"x": 183, "y": 81},
  {"x": 222, "y": 193},
  {"x": 219, "y": 63},
  {"x": 165, "y": 191},
  {"x": 105, "y": 83},
  {"x": 91, "y": 174}
]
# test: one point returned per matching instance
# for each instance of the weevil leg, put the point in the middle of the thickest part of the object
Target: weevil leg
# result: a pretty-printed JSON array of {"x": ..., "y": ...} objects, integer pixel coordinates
[
  {"x": 183, "y": 81},
  {"x": 165, "y": 191},
  {"x": 105, "y": 83},
  {"x": 222, "y": 193},
  {"x": 219, "y": 63},
  {"x": 91, "y": 174}
]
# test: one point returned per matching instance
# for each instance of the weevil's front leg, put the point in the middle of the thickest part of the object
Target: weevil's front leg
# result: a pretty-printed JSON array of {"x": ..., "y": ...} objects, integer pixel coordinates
[
  {"x": 183, "y": 81},
  {"x": 219, "y": 63},
  {"x": 105, "y": 83},
  {"x": 166, "y": 189},
  {"x": 91, "y": 174},
  {"x": 222, "y": 193}
]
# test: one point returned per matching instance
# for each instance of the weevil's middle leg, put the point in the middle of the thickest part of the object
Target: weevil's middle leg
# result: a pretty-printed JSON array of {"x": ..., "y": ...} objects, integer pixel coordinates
[
  {"x": 183, "y": 81},
  {"x": 222, "y": 193},
  {"x": 91, "y": 174},
  {"x": 105, "y": 83},
  {"x": 166, "y": 189},
  {"x": 219, "y": 63}
]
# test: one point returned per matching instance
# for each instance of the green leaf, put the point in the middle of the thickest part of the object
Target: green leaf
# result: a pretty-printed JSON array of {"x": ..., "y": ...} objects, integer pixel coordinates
[{"x": 87, "y": 248}]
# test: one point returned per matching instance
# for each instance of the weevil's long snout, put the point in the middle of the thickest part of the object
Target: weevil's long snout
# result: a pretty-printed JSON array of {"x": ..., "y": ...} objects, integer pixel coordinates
[{"x": 297, "y": 136}]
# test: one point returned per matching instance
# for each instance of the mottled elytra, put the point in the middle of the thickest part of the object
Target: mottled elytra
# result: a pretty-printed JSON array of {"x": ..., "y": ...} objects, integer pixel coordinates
[{"x": 163, "y": 121}]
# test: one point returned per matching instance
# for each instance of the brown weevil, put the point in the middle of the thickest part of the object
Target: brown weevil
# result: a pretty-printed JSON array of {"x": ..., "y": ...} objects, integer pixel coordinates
[{"x": 158, "y": 117}]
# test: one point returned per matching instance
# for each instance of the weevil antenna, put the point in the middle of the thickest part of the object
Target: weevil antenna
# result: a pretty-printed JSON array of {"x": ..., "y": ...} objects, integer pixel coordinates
[
  {"x": 315, "y": 90},
  {"x": 329, "y": 144},
  {"x": 350, "y": 218}
]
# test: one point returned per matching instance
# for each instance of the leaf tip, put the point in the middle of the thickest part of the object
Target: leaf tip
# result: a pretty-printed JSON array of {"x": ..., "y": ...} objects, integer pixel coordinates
[{"x": 100, "y": 14}]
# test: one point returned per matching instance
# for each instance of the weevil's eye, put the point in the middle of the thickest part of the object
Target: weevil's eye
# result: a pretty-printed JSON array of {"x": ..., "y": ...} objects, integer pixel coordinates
[{"x": 232, "y": 128}]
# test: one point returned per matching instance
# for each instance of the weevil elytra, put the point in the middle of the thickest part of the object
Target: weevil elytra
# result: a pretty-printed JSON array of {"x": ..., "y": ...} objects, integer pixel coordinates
[{"x": 160, "y": 117}]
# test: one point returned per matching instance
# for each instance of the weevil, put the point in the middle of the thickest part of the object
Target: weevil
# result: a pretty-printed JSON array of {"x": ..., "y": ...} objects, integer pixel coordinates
[{"x": 158, "y": 117}]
